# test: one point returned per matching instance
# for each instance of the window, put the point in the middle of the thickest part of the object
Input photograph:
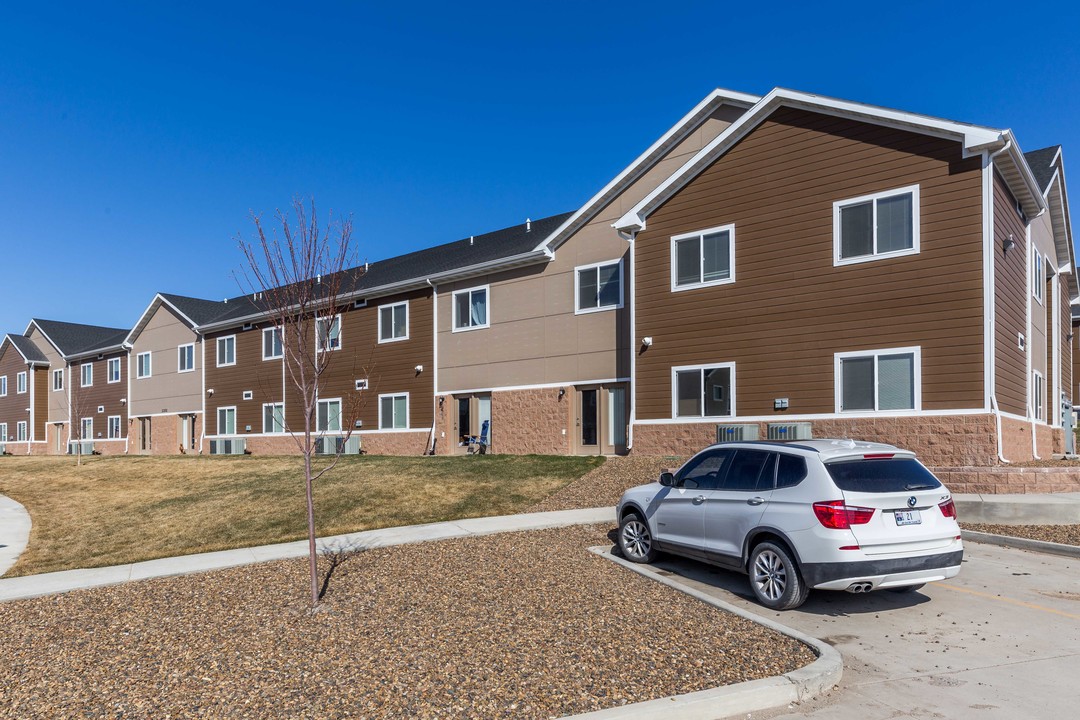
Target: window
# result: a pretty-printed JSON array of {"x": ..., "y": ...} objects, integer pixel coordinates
[
  {"x": 328, "y": 333},
  {"x": 226, "y": 421},
  {"x": 1038, "y": 391},
  {"x": 703, "y": 258},
  {"x": 272, "y": 345},
  {"x": 185, "y": 358},
  {"x": 3, "y": 385},
  {"x": 1038, "y": 276},
  {"x": 884, "y": 224},
  {"x": 114, "y": 427},
  {"x": 142, "y": 369},
  {"x": 393, "y": 411},
  {"x": 86, "y": 374},
  {"x": 58, "y": 379},
  {"x": 394, "y": 322},
  {"x": 3, "y": 433},
  {"x": 329, "y": 416},
  {"x": 361, "y": 385},
  {"x": 274, "y": 418},
  {"x": 20, "y": 383},
  {"x": 226, "y": 350},
  {"x": 707, "y": 391},
  {"x": 599, "y": 287},
  {"x": 878, "y": 380},
  {"x": 21, "y": 431},
  {"x": 112, "y": 369},
  {"x": 703, "y": 471},
  {"x": 471, "y": 309},
  {"x": 87, "y": 429},
  {"x": 750, "y": 470},
  {"x": 790, "y": 471}
]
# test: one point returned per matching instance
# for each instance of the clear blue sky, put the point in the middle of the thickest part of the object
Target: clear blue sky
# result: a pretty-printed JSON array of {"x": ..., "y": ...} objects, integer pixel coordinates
[{"x": 136, "y": 137}]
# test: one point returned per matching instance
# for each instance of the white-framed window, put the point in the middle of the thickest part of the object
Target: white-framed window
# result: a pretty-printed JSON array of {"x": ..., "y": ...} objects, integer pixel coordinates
[
  {"x": 273, "y": 417},
  {"x": 87, "y": 429},
  {"x": 3, "y": 433},
  {"x": 1038, "y": 391},
  {"x": 361, "y": 384},
  {"x": 226, "y": 421},
  {"x": 3, "y": 385},
  {"x": 112, "y": 370},
  {"x": 20, "y": 383},
  {"x": 394, "y": 411},
  {"x": 248, "y": 395},
  {"x": 328, "y": 416},
  {"x": 1038, "y": 275},
  {"x": 394, "y": 322},
  {"x": 703, "y": 258},
  {"x": 471, "y": 308},
  {"x": 114, "y": 427},
  {"x": 185, "y": 358},
  {"x": 226, "y": 350},
  {"x": 58, "y": 379},
  {"x": 878, "y": 380},
  {"x": 86, "y": 374},
  {"x": 273, "y": 348},
  {"x": 328, "y": 333},
  {"x": 143, "y": 367},
  {"x": 598, "y": 287},
  {"x": 21, "y": 431},
  {"x": 879, "y": 225},
  {"x": 703, "y": 390}
]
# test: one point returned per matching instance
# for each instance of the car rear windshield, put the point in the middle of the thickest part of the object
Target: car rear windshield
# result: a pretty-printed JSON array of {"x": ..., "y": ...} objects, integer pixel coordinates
[{"x": 881, "y": 475}]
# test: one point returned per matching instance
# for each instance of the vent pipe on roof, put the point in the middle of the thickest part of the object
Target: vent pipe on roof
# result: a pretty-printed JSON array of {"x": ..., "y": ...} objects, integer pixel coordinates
[
  {"x": 365, "y": 266},
  {"x": 470, "y": 240},
  {"x": 528, "y": 224}
]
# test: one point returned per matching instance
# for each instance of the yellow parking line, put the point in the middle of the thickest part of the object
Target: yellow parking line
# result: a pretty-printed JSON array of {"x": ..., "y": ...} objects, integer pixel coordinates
[{"x": 1021, "y": 603}]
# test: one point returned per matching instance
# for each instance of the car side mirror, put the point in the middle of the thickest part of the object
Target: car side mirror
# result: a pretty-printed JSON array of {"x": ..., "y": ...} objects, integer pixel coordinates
[{"x": 667, "y": 479}]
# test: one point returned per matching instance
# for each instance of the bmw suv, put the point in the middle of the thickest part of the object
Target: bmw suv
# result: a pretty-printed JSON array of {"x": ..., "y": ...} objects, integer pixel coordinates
[{"x": 816, "y": 514}]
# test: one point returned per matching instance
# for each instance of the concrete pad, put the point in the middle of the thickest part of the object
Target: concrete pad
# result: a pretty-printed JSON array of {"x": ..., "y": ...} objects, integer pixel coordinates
[
  {"x": 14, "y": 532},
  {"x": 1012, "y": 509},
  {"x": 187, "y": 564}
]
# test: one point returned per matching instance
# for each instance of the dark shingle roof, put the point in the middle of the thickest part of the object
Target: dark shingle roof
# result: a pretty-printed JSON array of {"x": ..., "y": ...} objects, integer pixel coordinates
[
  {"x": 27, "y": 349},
  {"x": 1039, "y": 162},
  {"x": 197, "y": 310},
  {"x": 75, "y": 339}
]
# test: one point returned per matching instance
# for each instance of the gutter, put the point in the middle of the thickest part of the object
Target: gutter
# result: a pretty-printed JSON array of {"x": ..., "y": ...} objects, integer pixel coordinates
[
  {"x": 631, "y": 403},
  {"x": 992, "y": 329}
]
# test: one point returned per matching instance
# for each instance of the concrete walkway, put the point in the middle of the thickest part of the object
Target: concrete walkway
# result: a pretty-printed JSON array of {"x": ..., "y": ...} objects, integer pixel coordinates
[
  {"x": 1031, "y": 509},
  {"x": 14, "y": 532}
]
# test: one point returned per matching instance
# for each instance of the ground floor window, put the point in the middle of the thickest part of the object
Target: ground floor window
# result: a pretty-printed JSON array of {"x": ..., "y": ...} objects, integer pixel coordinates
[
  {"x": 226, "y": 421},
  {"x": 87, "y": 429},
  {"x": 394, "y": 411},
  {"x": 329, "y": 416},
  {"x": 274, "y": 418},
  {"x": 703, "y": 391},
  {"x": 114, "y": 427},
  {"x": 20, "y": 430},
  {"x": 1038, "y": 391},
  {"x": 3, "y": 433},
  {"x": 878, "y": 380}
]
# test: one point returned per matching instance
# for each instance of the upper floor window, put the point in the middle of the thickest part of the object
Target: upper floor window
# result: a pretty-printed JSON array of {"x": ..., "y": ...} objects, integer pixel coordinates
[
  {"x": 20, "y": 383},
  {"x": 1038, "y": 275},
  {"x": 878, "y": 380},
  {"x": 226, "y": 350},
  {"x": 273, "y": 349},
  {"x": 471, "y": 309},
  {"x": 328, "y": 333},
  {"x": 884, "y": 224},
  {"x": 3, "y": 385},
  {"x": 58, "y": 379},
  {"x": 702, "y": 258},
  {"x": 112, "y": 369},
  {"x": 703, "y": 391},
  {"x": 1038, "y": 391},
  {"x": 143, "y": 369},
  {"x": 185, "y": 358},
  {"x": 394, "y": 322},
  {"x": 86, "y": 374},
  {"x": 598, "y": 287}
]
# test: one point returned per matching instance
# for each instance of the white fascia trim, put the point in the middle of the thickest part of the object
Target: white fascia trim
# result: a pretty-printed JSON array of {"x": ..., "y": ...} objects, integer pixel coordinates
[
  {"x": 540, "y": 386},
  {"x": 33, "y": 324},
  {"x": 974, "y": 138},
  {"x": 656, "y": 152},
  {"x": 816, "y": 416},
  {"x": 97, "y": 351},
  {"x": 158, "y": 300}
]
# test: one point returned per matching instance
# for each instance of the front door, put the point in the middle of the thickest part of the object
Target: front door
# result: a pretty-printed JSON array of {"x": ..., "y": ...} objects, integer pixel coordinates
[
  {"x": 589, "y": 420},
  {"x": 600, "y": 421},
  {"x": 145, "y": 442}
]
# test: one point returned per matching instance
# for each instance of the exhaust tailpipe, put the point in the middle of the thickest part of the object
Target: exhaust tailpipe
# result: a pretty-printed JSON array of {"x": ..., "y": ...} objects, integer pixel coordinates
[{"x": 860, "y": 587}]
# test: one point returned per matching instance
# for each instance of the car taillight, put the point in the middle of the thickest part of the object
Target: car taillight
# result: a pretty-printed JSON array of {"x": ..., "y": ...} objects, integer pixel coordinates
[
  {"x": 838, "y": 516},
  {"x": 948, "y": 508}
]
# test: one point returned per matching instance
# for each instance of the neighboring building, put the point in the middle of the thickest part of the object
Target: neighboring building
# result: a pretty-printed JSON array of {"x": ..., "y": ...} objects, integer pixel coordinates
[{"x": 23, "y": 396}]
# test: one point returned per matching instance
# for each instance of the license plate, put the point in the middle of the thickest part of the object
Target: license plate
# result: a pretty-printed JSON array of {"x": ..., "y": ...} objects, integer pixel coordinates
[{"x": 908, "y": 517}]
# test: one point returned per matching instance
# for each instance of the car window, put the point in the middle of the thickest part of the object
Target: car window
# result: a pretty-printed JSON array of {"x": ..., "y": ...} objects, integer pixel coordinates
[
  {"x": 702, "y": 471},
  {"x": 750, "y": 470},
  {"x": 881, "y": 475},
  {"x": 790, "y": 471}
]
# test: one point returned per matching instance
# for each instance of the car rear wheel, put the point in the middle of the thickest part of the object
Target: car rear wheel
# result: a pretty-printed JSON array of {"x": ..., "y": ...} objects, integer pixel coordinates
[
  {"x": 635, "y": 540},
  {"x": 775, "y": 579},
  {"x": 907, "y": 588}
]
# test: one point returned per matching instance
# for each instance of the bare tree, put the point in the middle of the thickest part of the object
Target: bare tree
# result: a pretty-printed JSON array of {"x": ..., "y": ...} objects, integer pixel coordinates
[
  {"x": 298, "y": 279},
  {"x": 76, "y": 408}
]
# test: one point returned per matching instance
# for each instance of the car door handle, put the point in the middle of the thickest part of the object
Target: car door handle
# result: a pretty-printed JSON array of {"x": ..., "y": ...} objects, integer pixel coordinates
[
  {"x": 755, "y": 501},
  {"x": 699, "y": 499}
]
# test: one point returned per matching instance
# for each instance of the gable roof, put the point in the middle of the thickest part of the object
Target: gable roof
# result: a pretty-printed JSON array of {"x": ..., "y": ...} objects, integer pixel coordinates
[
  {"x": 26, "y": 347},
  {"x": 1048, "y": 165},
  {"x": 974, "y": 138},
  {"x": 73, "y": 339},
  {"x": 1041, "y": 163}
]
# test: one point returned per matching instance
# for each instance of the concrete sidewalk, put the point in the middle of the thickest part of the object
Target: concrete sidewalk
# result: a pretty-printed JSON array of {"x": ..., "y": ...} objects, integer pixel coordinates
[
  {"x": 14, "y": 532},
  {"x": 1030, "y": 509}
]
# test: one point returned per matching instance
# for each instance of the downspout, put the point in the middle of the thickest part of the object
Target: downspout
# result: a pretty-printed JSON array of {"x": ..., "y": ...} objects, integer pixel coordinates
[
  {"x": 435, "y": 362},
  {"x": 631, "y": 402},
  {"x": 1027, "y": 346},
  {"x": 30, "y": 429},
  {"x": 127, "y": 401},
  {"x": 202, "y": 352},
  {"x": 992, "y": 329}
]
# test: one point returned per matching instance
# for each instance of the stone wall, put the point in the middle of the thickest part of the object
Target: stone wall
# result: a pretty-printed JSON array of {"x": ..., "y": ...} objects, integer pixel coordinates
[
  {"x": 1006, "y": 479},
  {"x": 525, "y": 422}
]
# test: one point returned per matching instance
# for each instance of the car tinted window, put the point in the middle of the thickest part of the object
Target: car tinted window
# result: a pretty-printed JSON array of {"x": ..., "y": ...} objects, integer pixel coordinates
[
  {"x": 750, "y": 470},
  {"x": 790, "y": 471},
  {"x": 881, "y": 475},
  {"x": 702, "y": 471}
]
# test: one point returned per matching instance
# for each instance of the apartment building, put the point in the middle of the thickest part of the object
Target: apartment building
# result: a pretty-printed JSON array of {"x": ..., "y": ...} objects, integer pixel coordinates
[{"x": 23, "y": 396}]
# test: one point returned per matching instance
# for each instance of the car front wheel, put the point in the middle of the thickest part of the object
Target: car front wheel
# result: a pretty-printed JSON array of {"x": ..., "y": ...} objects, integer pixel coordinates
[
  {"x": 635, "y": 540},
  {"x": 775, "y": 579}
]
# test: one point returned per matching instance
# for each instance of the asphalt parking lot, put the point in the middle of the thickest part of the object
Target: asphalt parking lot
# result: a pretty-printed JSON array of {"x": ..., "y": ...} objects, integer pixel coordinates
[{"x": 1002, "y": 640}]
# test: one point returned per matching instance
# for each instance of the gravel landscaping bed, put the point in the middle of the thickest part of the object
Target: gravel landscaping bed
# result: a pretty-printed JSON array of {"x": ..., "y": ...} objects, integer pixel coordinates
[
  {"x": 606, "y": 484},
  {"x": 521, "y": 625},
  {"x": 1063, "y": 534}
]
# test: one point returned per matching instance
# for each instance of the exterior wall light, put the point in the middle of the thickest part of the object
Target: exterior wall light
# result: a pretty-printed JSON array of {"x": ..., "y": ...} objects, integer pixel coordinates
[{"x": 647, "y": 341}]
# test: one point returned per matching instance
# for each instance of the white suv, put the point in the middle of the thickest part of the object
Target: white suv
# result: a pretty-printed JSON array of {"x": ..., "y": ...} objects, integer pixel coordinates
[{"x": 824, "y": 514}]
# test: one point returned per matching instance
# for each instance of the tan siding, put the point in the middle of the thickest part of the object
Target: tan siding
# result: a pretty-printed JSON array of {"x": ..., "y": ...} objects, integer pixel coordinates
[
  {"x": 167, "y": 389},
  {"x": 1011, "y": 298},
  {"x": 58, "y": 403},
  {"x": 790, "y": 310}
]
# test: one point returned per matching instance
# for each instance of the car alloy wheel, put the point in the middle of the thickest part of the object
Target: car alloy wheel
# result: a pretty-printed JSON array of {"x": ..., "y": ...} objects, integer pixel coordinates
[
  {"x": 770, "y": 575},
  {"x": 635, "y": 540}
]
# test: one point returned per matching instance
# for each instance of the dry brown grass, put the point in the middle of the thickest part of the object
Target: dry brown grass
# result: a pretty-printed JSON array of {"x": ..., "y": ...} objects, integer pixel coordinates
[{"x": 118, "y": 510}]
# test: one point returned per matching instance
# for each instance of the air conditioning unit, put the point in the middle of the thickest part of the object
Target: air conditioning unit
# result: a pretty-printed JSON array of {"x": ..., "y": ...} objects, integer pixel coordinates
[
  {"x": 3, "y": 449},
  {"x": 87, "y": 447},
  {"x": 337, "y": 445},
  {"x": 235, "y": 446},
  {"x": 737, "y": 432},
  {"x": 790, "y": 431}
]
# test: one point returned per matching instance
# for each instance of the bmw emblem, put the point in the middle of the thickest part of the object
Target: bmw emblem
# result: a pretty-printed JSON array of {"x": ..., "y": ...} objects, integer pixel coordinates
[{"x": 912, "y": 501}]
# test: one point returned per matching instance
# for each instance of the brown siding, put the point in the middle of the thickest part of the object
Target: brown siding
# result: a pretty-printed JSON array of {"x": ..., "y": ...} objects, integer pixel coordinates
[
  {"x": 41, "y": 401},
  {"x": 12, "y": 406},
  {"x": 1010, "y": 298},
  {"x": 262, "y": 377},
  {"x": 86, "y": 400},
  {"x": 790, "y": 310}
]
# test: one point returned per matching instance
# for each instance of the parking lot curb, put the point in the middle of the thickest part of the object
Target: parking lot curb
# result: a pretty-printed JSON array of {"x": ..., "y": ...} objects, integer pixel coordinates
[
  {"x": 1009, "y": 541},
  {"x": 729, "y": 700}
]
